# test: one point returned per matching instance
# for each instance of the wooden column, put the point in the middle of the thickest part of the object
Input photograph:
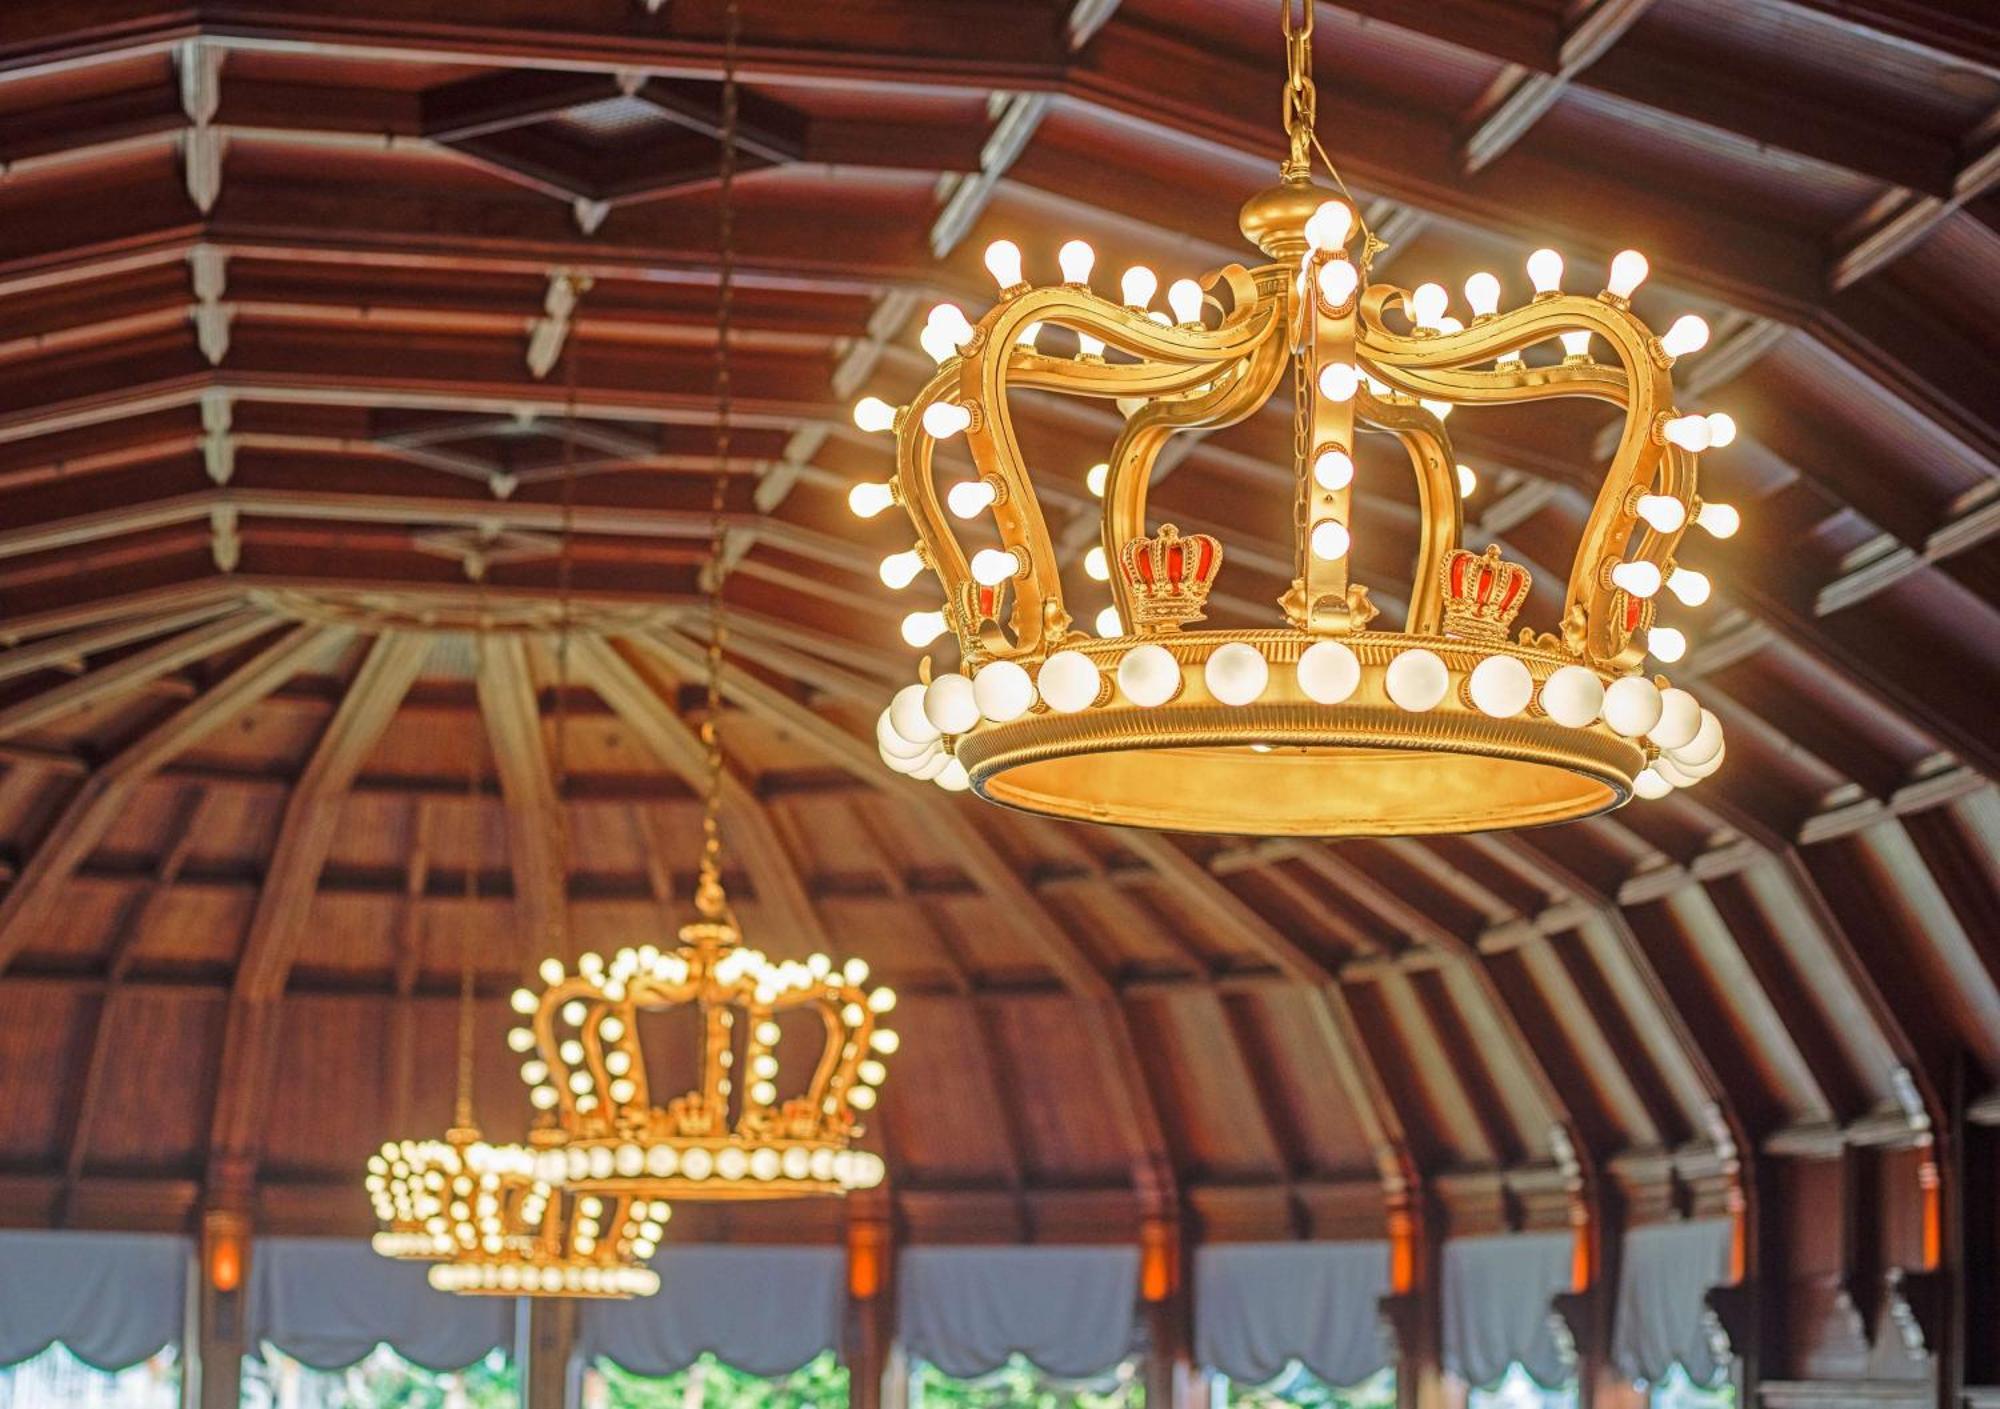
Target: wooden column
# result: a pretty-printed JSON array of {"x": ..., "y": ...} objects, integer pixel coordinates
[
  {"x": 217, "y": 1334},
  {"x": 1170, "y": 1375},
  {"x": 551, "y": 1344},
  {"x": 871, "y": 1302}
]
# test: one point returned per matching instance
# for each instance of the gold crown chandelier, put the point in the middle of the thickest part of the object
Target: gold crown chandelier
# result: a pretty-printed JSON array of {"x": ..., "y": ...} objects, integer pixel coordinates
[
  {"x": 757, "y": 1137},
  {"x": 1320, "y": 725}
]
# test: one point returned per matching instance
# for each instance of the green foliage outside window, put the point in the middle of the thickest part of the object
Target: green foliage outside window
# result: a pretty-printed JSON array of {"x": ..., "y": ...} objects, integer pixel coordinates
[
  {"x": 710, "y": 1384},
  {"x": 383, "y": 1380},
  {"x": 1300, "y": 1388},
  {"x": 1019, "y": 1385}
]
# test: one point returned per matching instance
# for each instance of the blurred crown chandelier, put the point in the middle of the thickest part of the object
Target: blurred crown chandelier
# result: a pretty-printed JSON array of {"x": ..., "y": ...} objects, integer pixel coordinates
[
  {"x": 765, "y": 1133},
  {"x": 1321, "y": 725}
]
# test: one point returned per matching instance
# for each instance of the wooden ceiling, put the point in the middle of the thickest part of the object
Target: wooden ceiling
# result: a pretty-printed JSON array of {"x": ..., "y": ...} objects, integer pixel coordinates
[{"x": 284, "y": 341}]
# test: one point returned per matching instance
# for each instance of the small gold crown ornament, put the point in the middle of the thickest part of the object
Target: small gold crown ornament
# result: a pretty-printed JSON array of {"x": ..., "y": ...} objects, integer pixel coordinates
[{"x": 1162, "y": 719}]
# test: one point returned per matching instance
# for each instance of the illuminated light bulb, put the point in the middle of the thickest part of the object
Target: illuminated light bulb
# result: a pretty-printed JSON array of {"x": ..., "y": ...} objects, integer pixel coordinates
[
  {"x": 1650, "y": 785},
  {"x": 1482, "y": 291},
  {"x": 1632, "y": 705},
  {"x": 1573, "y": 696},
  {"x": 1338, "y": 381},
  {"x": 1576, "y": 344},
  {"x": 945, "y": 419},
  {"x": 937, "y": 343},
  {"x": 1088, "y": 346},
  {"x": 1069, "y": 682},
  {"x": 1688, "y": 334},
  {"x": 1720, "y": 520},
  {"x": 1164, "y": 319},
  {"x": 1672, "y": 774},
  {"x": 1003, "y": 262},
  {"x": 1330, "y": 225},
  {"x": 1184, "y": 297},
  {"x": 1428, "y": 304},
  {"x": 1149, "y": 676},
  {"x": 969, "y": 498},
  {"x": 1236, "y": 673},
  {"x": 1439, "y": 409},
  {"x": 993, "y": 566},
  {"x": 1679, "y": 721},
  {"x": 1029, "y": 335},
  {"x": 1333, "y": 470},
  {"x": 952, "y": 319},
  {"x": 1095, "y": 477},
  {"x": 872, "y": 414},
  {"x": 1545, "y": 271},
  {"x": 1003, "y": 691},
  {"x": 1666, "y": 644},
  {"x": 1338, "y": 279},
  {"x": 1328, "y": 672},
  {"x": 1629, "y": 269},
  {"x": 1417, "y": 680},
  {"x": 1449, "y": 324},
  {"x": 523, "y": 1001},
  {"x": 1097, "y": 564},
  {"x": 1500, "y": 687},
  {"x": 1690, "y": 433},
  {"x": 1130, "y": 406},
  {"x": 935, "y": 763},
  {"x": 1721, "y": 429},
  {"x": 1690, "y": 586},
  {"x": 899, "y": 570},
  {"x": 1330, "y": 540},
  {"x": 1508, "y": 359},
  {"x": 1108, "y": 624},
  {"x": 1138, "y": 286},
  {"x": 949, "y": 703},
  {"x": 868, "y": 498},
  {"x": 1467, "y": 481},
  {"x": 1662, "y": 512},
  {"x": 1077, "y": 259},
  {"x": 1702, "y": 752},
  {"x": 953, "y": 779},
  {"x": 1641, "y": 579}
]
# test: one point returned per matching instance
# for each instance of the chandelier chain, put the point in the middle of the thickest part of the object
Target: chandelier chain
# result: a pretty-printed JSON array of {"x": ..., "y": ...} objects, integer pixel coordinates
[
  {"x": 1301, "y": 111},
  {"x": 710, "y": 899}
]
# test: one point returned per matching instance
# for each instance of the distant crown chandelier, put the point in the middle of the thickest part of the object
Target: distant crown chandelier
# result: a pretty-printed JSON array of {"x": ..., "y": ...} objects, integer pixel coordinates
[
  {"x": 758, "y": 1137},
  {"x": 1319, "y": 726}
]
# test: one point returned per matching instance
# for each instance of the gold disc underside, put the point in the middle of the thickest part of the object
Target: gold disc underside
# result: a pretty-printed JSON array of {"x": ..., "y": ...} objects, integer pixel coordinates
[{"x": 1301, "y": 770}]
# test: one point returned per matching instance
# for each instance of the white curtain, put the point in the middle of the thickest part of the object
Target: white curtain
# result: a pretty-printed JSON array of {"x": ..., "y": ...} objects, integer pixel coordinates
[
  {"x": 763, "y": 1310},
  {"x": 1667, "y": 1270},
  {"x": 114, "y": 1299},
  {"x": 1496, "y": 1305},
  {"x": 1071, "y": 1311},
  {"x": 1260, "y": 1306},
  {"x": 328, "y": 1302}
]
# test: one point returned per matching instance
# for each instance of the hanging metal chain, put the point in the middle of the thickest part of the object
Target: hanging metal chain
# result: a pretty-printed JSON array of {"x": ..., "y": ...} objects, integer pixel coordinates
[
  {"x": 1301, "y": 111},
  {"x": 710, "y": 899}
]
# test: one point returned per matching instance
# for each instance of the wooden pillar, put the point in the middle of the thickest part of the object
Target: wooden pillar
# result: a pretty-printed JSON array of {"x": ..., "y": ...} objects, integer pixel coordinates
[
  {"x": 551, "y": 1345},
  {"x": 213, "y": 1375},
  {"x": 1414, "y": 1310},
  {"x": 1170, "y": 1376},
  {"x": 872, "y": 1364}
]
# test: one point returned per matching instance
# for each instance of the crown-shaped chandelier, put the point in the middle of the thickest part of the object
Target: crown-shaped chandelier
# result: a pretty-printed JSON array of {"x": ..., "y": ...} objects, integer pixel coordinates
[{"x": 1321, "y": 724}]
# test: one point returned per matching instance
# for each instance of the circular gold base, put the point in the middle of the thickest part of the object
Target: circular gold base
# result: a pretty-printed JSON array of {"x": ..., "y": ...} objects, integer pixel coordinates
[{"x": 1287, "y": 766}]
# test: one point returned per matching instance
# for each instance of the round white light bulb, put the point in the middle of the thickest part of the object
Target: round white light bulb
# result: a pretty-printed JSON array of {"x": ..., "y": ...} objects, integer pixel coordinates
[
  {"x": 922, "y": 628},
  {"x": 1501, "y": 687},
  {"x": 1236, "y": 673},
  {"x": 1330, "y": 540},
  {"x": 1108, "y": 624},
  {"x": 1003, "y": 690},
  {"x": 1545, "y": 271},
  {"x": 1641, "y": 579},
  {"x": 951, "y": 318},
  {"x": 1338, "y": 381},
  {"x": 1690, "y": 433},
  {"x": 1338, "y": 279},
  {"x": 1329, "y": 226},
  {"x": 1468, "y": 482},
  {"x": 1632, "y": 706},
  {"x": 1076, "y": 259},
  {"x": 1706, "y": 745},
  {"x": 937, "y": 343},
  {"x": 1576, "y": 344},
  {"x": 872, "y": 413},
  {"x": 1029, "y": 336},
  {"x": 1482, "y": 292},
  {"x": 908, "y": 717},
  {"x": 1184, "y": 297},
  {"x": 1088, "y": 345},
  {"x": 1629, "y": 269},
  {"x": 1068, "y": 682},
  {"x": 949, "y": 703},
  {"x": 1428, "y": 305},
  {"x": 1096, "y": 477},
  {"x": 1721, "y": 520},
  {"x": 969, "y": 498},
  {"x": 1688, "y": 334},
  {"x": 870, "y": 498},
  {"x": 1149, "y": 675},
  {"x": 1650, "y": 785},
  {"x": 1096, "y": 564},
  {"x": 1333, "y": 471},
  {"x": 1691, "y": 587},
  {"x": 993, "y": 566},
  {"x": 1664, "y": 643},
  {"x": 1328, "y": 672},
  {"x": 1662, "y": 512},
  {"x": 1003, "y": 262},
  {"x": 899, "y": 570},
  {"x": 1137, "y": 286},
  {"x": 1721, "y": 429},
  {"x": 1679, "y": 721},
  {"x": 945, "y": 419},
  {"x": 953, "y": 779},
  {"x": 891, "y": 740},
  {"x": 1573, "y": 696},
  {"x": 1417, "y": 680}
]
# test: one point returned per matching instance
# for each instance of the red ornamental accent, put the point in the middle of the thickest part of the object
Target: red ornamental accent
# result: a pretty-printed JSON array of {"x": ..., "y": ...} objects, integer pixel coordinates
[
  {"x": 1170, "y": 576},
  {"x": 1482, "y": 592}
]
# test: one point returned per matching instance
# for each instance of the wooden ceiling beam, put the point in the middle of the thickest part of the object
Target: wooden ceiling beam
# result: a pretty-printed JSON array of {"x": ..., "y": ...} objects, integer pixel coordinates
[
  {"x": 1519, "y": 96},
  {"x": 105, "y": 794},
  {"x": 133, "y": 672},
  {"x": 537, "y": 821}
]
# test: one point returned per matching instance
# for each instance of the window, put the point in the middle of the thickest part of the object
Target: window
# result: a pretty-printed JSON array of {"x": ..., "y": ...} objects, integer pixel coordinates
[
  {"x": 821, "y": 1383},
  {"x": 1677, "y": 1391},
  {"x": 1300, "y": 1388},
  {"x": 383, "y": 1380},
  {"x": 55, "y": 1379},
  {"x": 1517, "y": 1391},
  {"x": 1020, "y": 1385}
]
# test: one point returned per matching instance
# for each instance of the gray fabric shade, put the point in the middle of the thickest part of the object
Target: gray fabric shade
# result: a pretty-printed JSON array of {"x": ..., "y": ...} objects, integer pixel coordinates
[
  {"x": 763, "y": 1310},
  {"x": 1071, "y": 1311},
  {"x": 1497, "y": 1292},
  {"x": 113, "y": 1299},
  {"x": 1260, "y": 1306},
  {"x": 1667, "y": 1270},
  {"x": 328, "y": 1302}
]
